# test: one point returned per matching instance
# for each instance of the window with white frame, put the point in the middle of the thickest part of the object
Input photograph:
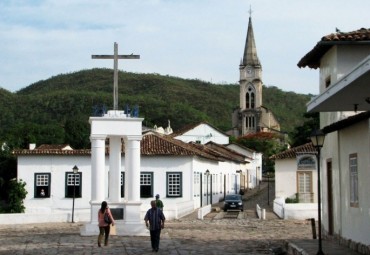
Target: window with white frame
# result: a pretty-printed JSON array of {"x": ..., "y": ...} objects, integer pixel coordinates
[
  {"x": 42, "y": 185},
  {"x": 73, "y": 184},
  {"x": 353, "y": 171},
  {"x": 214, "y": 176},
  {"x": 196, "y": 184},
  {"x": 305, "y": 194},
  {"x": 174, "y": 184},
  {"x": 146, "y": 184},
  {"x": 221, "y": 179}
]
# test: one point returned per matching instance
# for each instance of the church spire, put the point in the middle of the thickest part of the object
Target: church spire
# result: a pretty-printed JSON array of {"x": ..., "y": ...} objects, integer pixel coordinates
[{"x": 250, "y": 50}]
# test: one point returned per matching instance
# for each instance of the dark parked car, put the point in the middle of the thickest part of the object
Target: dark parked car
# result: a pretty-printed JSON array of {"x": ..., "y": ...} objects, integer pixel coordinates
[{"x": 233, "y": 202}]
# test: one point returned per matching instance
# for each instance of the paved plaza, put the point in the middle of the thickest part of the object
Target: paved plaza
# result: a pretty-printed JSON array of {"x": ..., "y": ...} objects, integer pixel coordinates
[{"x": 188, "y": 235}]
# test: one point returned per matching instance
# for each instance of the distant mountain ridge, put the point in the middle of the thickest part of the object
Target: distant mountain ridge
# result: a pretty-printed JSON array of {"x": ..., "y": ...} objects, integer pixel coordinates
[{"x": 68, "y": 99}]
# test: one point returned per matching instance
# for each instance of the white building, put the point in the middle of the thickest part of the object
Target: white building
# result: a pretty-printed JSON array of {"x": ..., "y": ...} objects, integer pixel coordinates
[
  {"x": 344, "y": 62},
  {"x": 202, "y": 133},
  {"x": 296, "y": 179},
  {"x": 252, "y": 175},
  {"x": 205, "y": 133},
  {"x": 169, "y": 167}
]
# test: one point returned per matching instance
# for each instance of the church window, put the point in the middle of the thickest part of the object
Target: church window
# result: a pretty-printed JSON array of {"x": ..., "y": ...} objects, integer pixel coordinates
[
  {"x": 146, "y": 184},
  {"x": 250, "y": 98},
  {"x": 250, "y": 122},
  {"x": 42, "y": 185},
  {"x": 73, "y": 184},
  {"x": 353, "y": 180},
  {"x": 174, "y": 184}
]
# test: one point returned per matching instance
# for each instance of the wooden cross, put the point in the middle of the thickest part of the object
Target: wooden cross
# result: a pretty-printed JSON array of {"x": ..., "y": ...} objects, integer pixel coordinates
[{"x": 115, "y": 57}]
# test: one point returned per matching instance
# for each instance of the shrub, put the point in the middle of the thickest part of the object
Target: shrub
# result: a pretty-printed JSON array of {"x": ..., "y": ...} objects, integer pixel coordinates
[
  {"x": 17, "y": 193},
  {"x": 292, "y": 200}
]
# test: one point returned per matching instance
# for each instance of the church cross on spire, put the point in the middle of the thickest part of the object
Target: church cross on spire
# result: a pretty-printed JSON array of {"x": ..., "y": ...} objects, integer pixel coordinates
[{"x": 250, "y": 11}]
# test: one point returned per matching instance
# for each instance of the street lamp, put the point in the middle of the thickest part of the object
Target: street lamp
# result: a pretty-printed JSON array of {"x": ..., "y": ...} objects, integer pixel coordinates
[
  {"x": 317, "y": 139},
  {"x": 75, "y": 171},
  {"x": 207, "y": 174}
]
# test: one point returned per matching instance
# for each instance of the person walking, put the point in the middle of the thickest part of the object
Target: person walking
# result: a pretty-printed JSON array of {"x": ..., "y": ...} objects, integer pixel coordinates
[
  {"x": 154, "y": 220},
  {"x": 105, "y": 219},
  {"x": 159, "y": 202}
]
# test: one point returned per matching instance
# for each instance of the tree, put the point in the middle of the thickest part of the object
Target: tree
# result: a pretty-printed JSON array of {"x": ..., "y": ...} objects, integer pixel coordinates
[
  {"x": 265, "y": 142},
  {"x": 301, "y": 134}
]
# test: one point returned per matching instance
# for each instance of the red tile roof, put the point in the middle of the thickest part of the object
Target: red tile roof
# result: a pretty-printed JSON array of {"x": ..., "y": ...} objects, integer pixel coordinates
[
  {"x": 151, "y": 144},
  {"x": 234, "y": 155},
  {"x": 351, "y": 120},
  {"x": 293, "y": 152},
  {"x": 312, "y": 58}
]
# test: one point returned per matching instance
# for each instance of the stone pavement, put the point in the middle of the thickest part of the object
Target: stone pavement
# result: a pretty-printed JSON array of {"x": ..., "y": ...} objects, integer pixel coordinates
[{"x": 188, "y": 235}]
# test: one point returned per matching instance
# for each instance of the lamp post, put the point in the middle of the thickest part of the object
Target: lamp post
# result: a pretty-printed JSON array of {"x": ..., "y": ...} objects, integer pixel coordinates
[
  {"x": 207, "y": 174},
  {"x": 75, "y": 171},
  {"x": 317, "y": 139}
]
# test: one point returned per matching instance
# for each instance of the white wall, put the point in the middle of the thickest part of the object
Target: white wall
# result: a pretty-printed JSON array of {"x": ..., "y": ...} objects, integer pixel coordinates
[
  {"x": 57, "y": 166},
  {"x": 285, "y": 177},
  {"x": 354, "y": 221}
]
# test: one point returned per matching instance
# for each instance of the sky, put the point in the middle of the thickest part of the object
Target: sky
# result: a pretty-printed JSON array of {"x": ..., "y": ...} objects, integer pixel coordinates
[{"x": 191, "y": 39}]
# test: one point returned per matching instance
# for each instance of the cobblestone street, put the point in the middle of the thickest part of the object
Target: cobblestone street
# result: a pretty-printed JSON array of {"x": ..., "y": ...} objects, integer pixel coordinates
[{"x": 188, "y": 235}]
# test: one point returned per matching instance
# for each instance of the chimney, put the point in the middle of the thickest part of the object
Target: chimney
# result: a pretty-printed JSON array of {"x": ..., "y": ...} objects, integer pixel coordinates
[{"x": 32, "y": 146}]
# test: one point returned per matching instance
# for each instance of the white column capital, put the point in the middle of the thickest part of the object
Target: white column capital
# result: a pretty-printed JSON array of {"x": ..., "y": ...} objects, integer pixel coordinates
[
  {"x": 133, "y": 138},
  {"x": 98, "y": 137}
]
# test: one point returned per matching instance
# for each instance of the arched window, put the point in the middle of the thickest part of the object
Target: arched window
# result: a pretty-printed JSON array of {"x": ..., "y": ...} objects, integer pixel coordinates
[
  {"x": 247, "y": 100},
  {"x": 306, "y": 162},
  {"x": 250, "y": 98}
]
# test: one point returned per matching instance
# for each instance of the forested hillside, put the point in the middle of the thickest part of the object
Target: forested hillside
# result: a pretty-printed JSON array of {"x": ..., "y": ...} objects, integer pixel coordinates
[{"x": 56, "y": 110}]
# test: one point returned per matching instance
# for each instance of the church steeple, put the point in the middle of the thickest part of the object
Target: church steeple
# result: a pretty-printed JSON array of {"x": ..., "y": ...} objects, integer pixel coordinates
[
  {"x": 251, "y": 116},
  {"x": 250, "y": 51}
]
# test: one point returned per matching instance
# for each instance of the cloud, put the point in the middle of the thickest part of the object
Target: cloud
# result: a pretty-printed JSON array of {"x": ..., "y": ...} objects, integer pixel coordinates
[{"x": 186, "y": 38}]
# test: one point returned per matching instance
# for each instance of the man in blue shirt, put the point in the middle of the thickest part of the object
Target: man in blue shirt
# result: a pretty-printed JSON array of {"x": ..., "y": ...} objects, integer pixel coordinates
[{"x": 156, "y": 219}]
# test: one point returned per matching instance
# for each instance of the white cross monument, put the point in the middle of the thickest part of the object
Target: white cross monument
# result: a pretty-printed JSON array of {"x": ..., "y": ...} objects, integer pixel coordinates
[{"x": 116, "y": 126}]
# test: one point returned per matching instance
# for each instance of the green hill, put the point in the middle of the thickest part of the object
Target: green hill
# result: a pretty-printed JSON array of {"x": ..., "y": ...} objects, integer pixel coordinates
[{"x": 56, "y": 110}]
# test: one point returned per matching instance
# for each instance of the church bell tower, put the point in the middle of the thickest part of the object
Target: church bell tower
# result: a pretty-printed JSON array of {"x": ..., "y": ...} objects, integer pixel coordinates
[{"x": 250, "y": 86}]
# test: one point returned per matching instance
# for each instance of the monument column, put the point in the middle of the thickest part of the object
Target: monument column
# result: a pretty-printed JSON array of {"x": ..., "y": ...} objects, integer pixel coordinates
[
  {"x": 115, "y": 169},
  {"x": 132, "y": 166},
  {"x": 97, "y": 169}
]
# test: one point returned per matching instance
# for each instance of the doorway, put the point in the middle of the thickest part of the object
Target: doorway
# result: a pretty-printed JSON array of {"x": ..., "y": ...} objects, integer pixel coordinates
[{"x": 329, "y": 185}]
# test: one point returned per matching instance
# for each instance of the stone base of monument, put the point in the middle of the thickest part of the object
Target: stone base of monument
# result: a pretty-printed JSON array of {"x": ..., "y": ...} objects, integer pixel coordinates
[{"x": 127, "y": 216}]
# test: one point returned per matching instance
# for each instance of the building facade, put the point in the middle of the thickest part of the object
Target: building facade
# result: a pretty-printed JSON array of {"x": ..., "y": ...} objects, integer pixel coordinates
[{"x": 344, "y": 62}]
